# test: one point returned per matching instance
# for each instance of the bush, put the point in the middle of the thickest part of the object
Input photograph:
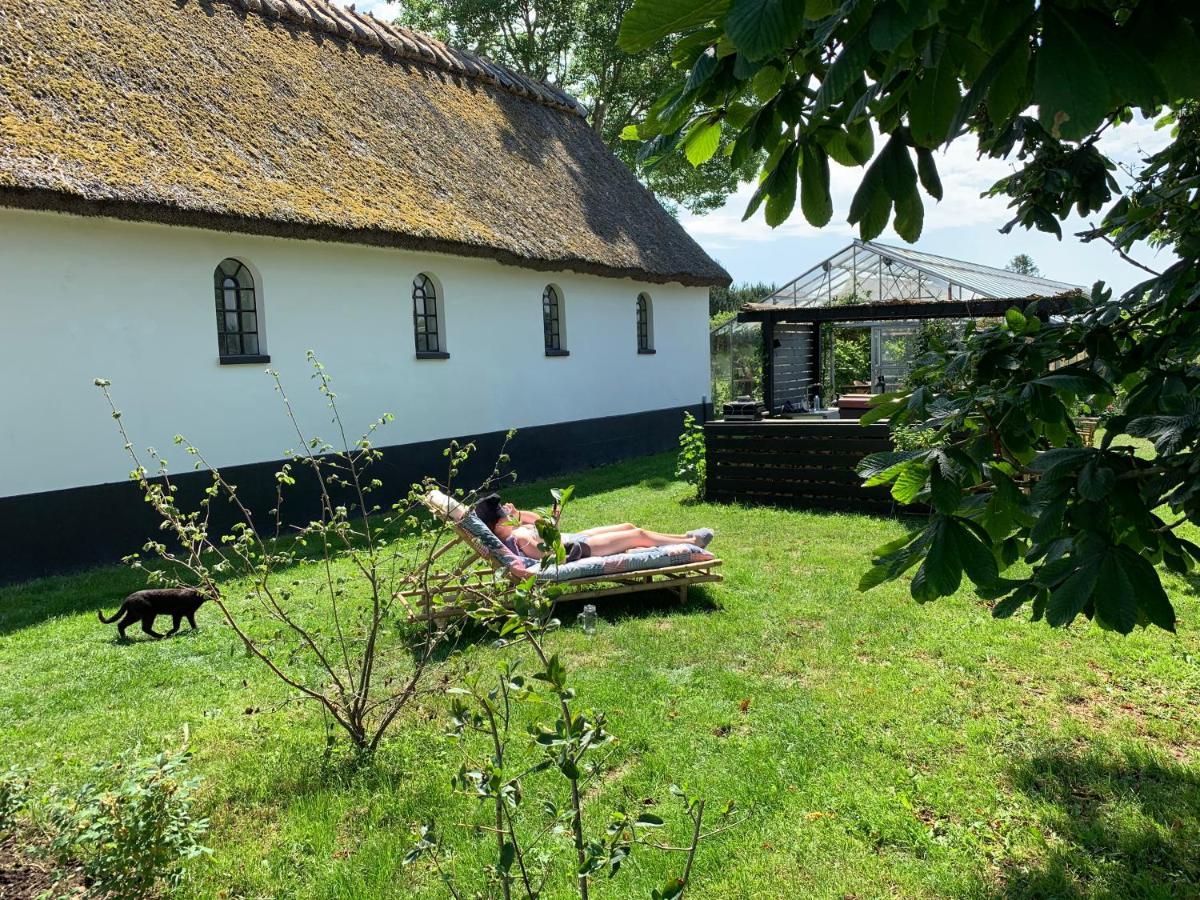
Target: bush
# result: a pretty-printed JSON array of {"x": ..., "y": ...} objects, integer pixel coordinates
[
  {"x": 14, "y": 794},
  {"x": 690, "y": 465},
  {"x": 131, "y": 829}
]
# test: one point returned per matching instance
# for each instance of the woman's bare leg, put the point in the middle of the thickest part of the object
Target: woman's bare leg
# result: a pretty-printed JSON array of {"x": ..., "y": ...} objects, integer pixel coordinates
[
  {"x": 613, "y": 542},
  {"x": 606, "y": 529}
]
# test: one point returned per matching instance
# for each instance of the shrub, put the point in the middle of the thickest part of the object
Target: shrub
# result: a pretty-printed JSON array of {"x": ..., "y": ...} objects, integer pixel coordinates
[
  {"x": 353, "y": 649},
  {"x": 132, "y": 828},
  {"x": 690, "y": 465},
  {"x": 14, "y": 794}
]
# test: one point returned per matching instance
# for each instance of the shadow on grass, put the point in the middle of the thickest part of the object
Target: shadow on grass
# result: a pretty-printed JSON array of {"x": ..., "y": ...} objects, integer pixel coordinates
[
  {"x": 1128, "y": 825},
  {"x": 32, "y": 602},
  {"x": 27, "y": 604},
  {"x": 644, "y": 604}
]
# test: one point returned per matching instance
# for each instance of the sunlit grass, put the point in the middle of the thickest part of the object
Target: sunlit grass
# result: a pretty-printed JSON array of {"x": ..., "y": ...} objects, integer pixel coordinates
[{"x": 884, "y": 748}]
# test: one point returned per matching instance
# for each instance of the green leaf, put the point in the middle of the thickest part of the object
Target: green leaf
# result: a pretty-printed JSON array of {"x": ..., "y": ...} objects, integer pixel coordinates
[
  {"x": 942, "y": 568},
  {"x": 911, "y": 482},
  {"x": 842, "y": 74},
  {"x": 1071, "y": 76},
  {"x": 508, "y": 855},
  {"x": 944, "y": 492},
  {"x": 910, "y": 217},
  {"x": 894, "y": 21},
  {"x": 1014, "y": 319},
  {"x": 1170, "y": 44},
  {"x": 781, "y": 187},
  {"x": 1153, "y": 601},
  {"x": 870, "y": 209},
  {"x": 1079, "y": 383},
  {"x": 896, "y": 169},
  {"x": 630, "y": 133},
  {"x": 988, "y": 75},
  {"x": 1095, "y": 481},
  {"x": 701, "y": 142},
  {"x": 761, "y": 28},
  {"x": 767, "y": 83},
  {"x": 972, "y": 553},
  {"x": 648, "y": 21},
  {"x": 1009, "y": 91},
  {"x": 649, "y": 820},
  {"x": 1114, "y": 599},
  {"x": 706, "y": 65},
  {"x": 933, "y": 100},
  {"x": 927, "y": 171},
  {"x": 815, "y": 200},
  {"x": 1069, "y": 598}
]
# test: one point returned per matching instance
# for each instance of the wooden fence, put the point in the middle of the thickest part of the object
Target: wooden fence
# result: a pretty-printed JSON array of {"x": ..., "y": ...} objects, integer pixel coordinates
[{"x": 801, "y": 463}]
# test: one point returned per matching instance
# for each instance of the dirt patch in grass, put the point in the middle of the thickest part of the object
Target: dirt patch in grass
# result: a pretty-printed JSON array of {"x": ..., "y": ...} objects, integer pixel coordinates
[{"x": 25, "y": 878}]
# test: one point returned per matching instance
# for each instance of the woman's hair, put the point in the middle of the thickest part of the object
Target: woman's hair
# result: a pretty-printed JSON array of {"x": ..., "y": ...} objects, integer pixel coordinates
[{"x": 490, "y": 510}]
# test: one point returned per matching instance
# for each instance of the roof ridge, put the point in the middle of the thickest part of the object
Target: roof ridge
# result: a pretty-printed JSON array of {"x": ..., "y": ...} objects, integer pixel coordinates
[
  {"x": 1008, "y": 273},
  {"x": 326, "y": 17}
]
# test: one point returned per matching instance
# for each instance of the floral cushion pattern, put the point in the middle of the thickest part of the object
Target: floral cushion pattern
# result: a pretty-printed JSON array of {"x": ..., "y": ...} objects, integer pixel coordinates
[{"x": 621, "y": 563}]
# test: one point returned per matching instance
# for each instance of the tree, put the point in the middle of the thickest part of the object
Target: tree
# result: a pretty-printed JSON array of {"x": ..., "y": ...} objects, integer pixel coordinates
[
  {"x": 572, "y": 43},
  {"x": 803, "y": 83},
  {"x": 1023, "y": 264},
  {"x": 734, "y": 297}
]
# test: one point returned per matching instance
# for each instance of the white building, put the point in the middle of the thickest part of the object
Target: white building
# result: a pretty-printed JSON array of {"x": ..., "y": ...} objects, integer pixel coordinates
[{"x": 192, "y": 191}]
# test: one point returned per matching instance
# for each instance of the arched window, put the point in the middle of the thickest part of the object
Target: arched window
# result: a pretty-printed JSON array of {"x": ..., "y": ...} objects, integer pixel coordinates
[
  {"x": 427, "y": 319},
  {"x": 553, "y": 325},
  {"x": 645, "y": 324},
  {"x": 239, "y": 332}
]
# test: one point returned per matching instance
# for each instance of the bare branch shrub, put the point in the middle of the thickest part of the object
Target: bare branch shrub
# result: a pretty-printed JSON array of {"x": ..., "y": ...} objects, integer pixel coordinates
[{"x": 330, "y": 607}]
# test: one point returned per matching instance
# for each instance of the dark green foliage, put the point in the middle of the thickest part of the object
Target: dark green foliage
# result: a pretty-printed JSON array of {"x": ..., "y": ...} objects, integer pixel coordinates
[
  {"x": 14, "y": 794},
  {"x": 734, "y": 297},
  {"x": 131, "y": 828},
  {"x": 999, "y": 460},
  {"x": 690, "y": 465}
]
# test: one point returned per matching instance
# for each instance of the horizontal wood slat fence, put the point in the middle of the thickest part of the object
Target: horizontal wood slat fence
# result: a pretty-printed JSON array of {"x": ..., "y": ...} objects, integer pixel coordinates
[{"x": 795, "y": 463}]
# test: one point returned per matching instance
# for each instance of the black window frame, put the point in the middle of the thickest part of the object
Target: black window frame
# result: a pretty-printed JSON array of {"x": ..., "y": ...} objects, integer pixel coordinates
[
  {"x": 242, "y": 343},
  {"x": 552, "y": 320},
  {"x": 428, "y": 329},
  {"x": 645, "y": 333}
]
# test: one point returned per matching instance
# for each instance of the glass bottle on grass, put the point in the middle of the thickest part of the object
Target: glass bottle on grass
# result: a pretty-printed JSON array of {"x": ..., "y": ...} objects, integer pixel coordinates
[{"x": 587, "y": 618}]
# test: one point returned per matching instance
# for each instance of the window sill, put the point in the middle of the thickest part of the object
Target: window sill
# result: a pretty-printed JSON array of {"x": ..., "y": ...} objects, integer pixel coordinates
[
  {"x": 256, "y": 359},
  {"x": 646, "y": 351},
  {"x": 432, "y": 354},
  {"x": 558, "y": 352}
]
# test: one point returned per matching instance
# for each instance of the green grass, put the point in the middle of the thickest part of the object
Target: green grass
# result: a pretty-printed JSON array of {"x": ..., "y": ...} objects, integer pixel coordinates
[{"x": 883, "y": 748}]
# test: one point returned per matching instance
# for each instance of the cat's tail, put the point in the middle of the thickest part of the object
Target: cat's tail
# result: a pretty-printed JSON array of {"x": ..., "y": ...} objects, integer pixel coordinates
[{"x": 116, "y": 615}]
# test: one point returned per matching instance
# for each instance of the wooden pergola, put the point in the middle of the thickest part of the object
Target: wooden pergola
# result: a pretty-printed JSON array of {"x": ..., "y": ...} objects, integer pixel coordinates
[{"x": 804, "y": 324}]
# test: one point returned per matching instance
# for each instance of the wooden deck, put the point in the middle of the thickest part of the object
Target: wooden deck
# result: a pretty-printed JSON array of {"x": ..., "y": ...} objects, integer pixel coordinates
[{"x": 795, "y": 462}]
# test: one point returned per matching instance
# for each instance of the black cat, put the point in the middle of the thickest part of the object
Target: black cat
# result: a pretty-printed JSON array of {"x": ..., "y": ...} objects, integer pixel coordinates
[{"x": 146, "y": 606}]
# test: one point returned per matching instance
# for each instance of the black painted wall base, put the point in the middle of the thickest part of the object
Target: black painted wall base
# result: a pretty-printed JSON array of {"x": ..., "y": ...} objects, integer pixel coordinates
[{"x": 57, "y": 531}]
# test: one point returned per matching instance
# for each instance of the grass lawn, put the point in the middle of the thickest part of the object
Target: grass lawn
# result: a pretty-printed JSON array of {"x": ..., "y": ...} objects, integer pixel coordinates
[{"x": 885, "y": 749}]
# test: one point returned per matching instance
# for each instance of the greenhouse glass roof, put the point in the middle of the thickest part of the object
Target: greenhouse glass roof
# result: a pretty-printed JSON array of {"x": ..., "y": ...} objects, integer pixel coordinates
[{"x": 870, "y": 272}]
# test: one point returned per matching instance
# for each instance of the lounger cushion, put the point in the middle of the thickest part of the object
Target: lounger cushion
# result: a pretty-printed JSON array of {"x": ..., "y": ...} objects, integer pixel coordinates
[
  {"x": 522, "y": 567},
  {"x": 622, "y": 563}
]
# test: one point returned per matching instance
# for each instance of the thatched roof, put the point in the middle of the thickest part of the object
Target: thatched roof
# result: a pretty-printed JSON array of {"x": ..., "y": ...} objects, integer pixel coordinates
[{"x": 298, "y": 118}]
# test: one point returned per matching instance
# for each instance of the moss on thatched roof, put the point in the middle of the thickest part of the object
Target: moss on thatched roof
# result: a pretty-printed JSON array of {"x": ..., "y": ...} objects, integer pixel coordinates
[{"x": 301, "y": 119}]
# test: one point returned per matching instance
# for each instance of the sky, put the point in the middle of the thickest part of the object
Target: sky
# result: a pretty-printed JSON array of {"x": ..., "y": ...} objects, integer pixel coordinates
[{"x": 963, "y": 225}]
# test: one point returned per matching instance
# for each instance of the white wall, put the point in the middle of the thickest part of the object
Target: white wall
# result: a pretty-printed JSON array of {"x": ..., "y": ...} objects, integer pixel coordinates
[{"x": 82, "y": 298}]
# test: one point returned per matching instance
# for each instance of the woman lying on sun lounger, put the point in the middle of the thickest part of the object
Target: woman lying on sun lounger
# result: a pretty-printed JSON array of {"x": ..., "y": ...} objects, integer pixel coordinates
[{"x": 518, "y": 530}]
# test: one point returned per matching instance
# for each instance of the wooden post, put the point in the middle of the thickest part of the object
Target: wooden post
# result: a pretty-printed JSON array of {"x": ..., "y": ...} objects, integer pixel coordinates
[
  {"x": 768, "y": 363},
  {"x": 816, "y": 358}
]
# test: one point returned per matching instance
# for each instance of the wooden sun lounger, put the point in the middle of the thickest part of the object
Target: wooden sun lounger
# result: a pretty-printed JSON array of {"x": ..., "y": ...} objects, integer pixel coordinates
[{"x": 480, "y": 569}]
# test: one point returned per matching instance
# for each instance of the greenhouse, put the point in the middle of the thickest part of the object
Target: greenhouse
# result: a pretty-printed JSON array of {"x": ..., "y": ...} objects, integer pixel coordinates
[{"x": 853, "y": 322}]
